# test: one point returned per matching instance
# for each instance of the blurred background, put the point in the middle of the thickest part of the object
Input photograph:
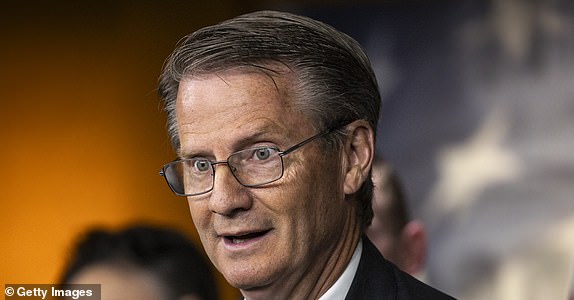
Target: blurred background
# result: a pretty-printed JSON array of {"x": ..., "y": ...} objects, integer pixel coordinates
[{"x": 478, "y": 119}]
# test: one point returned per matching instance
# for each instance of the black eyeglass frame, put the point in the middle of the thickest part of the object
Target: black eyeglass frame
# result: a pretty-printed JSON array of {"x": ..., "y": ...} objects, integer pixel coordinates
[{"x": 162, "y": 172}]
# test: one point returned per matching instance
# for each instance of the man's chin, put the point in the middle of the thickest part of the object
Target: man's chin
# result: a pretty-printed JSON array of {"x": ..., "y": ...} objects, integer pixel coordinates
[{"x": 251, "y": 283}]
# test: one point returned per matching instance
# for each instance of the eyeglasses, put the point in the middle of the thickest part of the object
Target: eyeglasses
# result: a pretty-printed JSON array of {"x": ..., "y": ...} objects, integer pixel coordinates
[{"x": 250, "y": 167}]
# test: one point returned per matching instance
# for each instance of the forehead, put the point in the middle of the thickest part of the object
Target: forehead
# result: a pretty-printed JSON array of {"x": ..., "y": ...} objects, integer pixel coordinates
[{"x": 234, "y": 105}]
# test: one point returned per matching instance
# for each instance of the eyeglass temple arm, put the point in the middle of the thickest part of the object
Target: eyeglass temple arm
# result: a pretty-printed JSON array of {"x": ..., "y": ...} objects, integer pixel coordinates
[{"x": 304, "y": 142}]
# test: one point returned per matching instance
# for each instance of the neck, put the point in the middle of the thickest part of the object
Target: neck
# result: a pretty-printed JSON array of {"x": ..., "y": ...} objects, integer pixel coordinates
[{"x": 337, "y": 263}]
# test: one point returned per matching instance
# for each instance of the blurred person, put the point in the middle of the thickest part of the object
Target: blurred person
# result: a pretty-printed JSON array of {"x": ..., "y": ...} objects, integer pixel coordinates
[
  {"x": 399, "y": 238},
  {"x": 273, "y": 119},
  {"x": 141, "y": 262},
  {"x": 478, "y": 146}
]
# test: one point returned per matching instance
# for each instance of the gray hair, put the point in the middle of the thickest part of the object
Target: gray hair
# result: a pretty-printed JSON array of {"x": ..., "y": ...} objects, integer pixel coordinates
[{"x": 334, "y": 83}]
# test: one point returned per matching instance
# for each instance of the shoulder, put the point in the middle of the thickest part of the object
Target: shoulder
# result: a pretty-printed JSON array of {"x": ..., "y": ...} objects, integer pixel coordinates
[{"x": 377, "y": 278}]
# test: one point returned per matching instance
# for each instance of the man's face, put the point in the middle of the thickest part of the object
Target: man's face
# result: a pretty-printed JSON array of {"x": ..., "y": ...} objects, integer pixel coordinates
[{"x": 265, "y": 238}]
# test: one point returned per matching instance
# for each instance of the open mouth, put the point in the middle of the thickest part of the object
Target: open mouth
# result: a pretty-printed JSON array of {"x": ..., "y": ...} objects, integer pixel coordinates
[{"x": 238, "y": 239}]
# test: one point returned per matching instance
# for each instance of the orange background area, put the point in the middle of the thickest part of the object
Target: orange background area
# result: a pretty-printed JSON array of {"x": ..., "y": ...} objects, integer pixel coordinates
[{"x": 82, "y": 132}]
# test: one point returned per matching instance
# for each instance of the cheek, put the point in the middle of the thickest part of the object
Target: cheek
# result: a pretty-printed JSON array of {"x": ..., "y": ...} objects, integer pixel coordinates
[
  {"x": 199, "y": 214},
  {"x": 316, "y": 198}
]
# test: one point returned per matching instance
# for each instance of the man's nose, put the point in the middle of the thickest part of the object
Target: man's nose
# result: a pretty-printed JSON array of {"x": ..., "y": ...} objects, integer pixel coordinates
[{"x": 228, "y": 195}]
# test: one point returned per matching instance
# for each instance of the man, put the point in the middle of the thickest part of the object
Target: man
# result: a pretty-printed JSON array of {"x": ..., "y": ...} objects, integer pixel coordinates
[
  {"x": 399, "y": 238},
  {"x": 272, "y": 116}
]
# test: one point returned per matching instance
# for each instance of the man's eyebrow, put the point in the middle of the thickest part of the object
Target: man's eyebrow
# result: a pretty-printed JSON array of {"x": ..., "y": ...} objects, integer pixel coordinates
[
  {"x": 264, "y": 133},
  {"x": 190, "y": 154},
  {"x": 267, "y": 132}
]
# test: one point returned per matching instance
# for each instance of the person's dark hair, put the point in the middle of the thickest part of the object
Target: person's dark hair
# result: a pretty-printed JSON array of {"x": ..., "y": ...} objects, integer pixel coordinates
[
  {"x": 163, "y": 252},
  {"x": 332, "y": 77},
  {"x": 398, "y": 208}
]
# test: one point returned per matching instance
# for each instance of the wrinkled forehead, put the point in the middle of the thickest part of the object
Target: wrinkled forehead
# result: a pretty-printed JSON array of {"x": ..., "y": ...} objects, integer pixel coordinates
[
  {"x": 234, "y": 106},
  {"x": 277, "y": 76},
  {"x": 240, "y": 85}
]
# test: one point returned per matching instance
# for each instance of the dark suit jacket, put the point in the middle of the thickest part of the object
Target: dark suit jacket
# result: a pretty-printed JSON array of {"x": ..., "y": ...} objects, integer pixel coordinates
[{"x": 377, "y": 278}]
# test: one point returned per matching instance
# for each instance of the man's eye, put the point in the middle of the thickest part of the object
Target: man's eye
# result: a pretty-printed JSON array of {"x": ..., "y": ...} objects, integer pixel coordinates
[
  {"x": 201, "y": 165},
  {"x": 263, "y": 153}
]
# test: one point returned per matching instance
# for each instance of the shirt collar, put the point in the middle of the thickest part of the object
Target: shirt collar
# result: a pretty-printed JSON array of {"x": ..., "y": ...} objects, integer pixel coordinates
[{"x": 339, "y": 290}]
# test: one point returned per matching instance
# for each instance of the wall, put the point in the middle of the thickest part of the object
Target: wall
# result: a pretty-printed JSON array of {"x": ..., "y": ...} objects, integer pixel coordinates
[{"x": 82, "y": 132}]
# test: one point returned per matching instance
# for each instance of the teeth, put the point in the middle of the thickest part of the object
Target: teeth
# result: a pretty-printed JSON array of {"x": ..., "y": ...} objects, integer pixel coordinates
[{"x": 238, "y": 239}]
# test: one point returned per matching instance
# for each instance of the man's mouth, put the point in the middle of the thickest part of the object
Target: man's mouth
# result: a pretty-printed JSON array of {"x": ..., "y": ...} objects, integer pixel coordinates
[{"x": 239, "y": 239}]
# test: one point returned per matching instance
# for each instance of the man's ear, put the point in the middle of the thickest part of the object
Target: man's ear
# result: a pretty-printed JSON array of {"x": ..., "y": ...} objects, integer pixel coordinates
[{"x": 359, "y": 151}]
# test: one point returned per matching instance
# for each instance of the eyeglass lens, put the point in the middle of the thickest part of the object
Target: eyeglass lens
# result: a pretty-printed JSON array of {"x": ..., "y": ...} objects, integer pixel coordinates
[{"x": 251, "y": 167}]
